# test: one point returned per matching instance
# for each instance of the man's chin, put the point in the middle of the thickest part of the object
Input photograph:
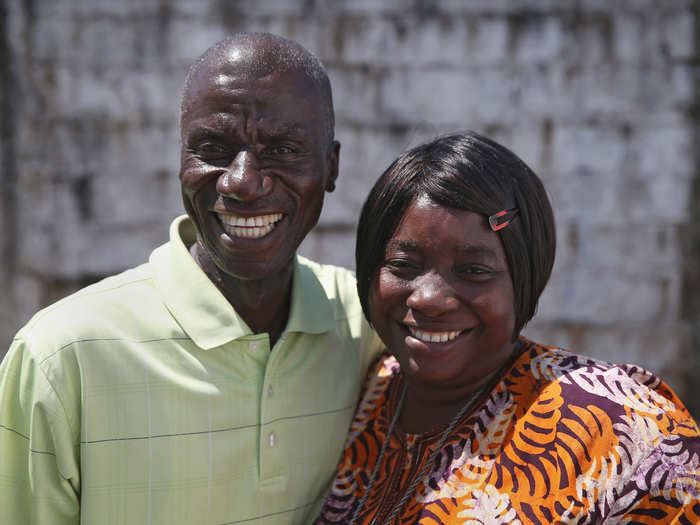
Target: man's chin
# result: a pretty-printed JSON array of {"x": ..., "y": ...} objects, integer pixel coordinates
[{"x": 253, "y": 266}]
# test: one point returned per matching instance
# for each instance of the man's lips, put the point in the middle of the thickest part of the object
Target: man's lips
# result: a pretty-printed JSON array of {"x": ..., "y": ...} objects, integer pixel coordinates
[{"x": 248, "y": 227}]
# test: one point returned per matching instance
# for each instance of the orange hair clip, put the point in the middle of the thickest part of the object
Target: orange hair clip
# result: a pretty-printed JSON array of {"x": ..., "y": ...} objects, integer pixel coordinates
[{"x": 500, "y": 220}]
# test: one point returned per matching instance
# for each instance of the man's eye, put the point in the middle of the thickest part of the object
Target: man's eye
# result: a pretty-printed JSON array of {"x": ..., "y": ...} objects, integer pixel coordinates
[
  {"x": 211, "y": 149},
  {"x": 281, "y": 149}
]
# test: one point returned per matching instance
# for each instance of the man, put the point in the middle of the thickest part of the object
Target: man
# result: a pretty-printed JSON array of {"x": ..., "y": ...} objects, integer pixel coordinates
[{"x": 216, "y": 383}]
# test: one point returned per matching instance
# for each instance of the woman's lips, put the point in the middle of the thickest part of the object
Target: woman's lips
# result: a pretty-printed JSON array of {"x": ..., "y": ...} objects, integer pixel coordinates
[
  {"x": 423, "y": 344},
  {"x": 433, "y": 337}
]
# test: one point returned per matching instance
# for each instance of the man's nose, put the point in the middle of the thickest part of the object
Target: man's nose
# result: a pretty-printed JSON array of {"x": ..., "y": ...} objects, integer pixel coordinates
[
  {"x": 243, "y": 180},
  {"x": 432, "y": 295}
]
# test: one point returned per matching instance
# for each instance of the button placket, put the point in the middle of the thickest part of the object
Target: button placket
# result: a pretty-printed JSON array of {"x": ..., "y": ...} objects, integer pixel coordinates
[{"x": 272, "y": 443}]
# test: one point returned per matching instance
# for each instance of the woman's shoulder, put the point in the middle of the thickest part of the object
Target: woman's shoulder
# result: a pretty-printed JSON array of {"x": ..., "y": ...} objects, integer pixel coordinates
[
  {"x": 581, "y": 381},
  {"x": 380, "y": 375},
  {"x": 375, "y": 392}
]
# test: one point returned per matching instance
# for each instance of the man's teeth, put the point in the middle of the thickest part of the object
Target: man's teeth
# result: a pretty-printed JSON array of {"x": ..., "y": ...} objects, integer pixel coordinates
[
  {"x": 249, "y": 227},
  {"x": 260, "y": 220},
  {"x": 433, "y": 337}
]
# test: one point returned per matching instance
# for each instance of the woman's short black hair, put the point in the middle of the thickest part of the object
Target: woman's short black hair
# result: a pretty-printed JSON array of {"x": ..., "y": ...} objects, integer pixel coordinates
[{"x": 470, "y": 172}]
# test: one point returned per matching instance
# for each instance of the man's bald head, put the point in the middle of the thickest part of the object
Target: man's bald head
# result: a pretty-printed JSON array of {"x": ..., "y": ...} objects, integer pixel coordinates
[{"x": 256, "y": 55}]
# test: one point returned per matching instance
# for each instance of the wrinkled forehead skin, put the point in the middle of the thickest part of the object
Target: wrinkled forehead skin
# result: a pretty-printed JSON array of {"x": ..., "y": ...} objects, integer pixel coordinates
[{"x": 251, "y": 57}]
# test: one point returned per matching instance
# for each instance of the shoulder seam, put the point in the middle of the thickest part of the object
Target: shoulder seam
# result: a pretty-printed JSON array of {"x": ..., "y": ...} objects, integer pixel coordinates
[
  {"x": 93, "y": 339},
  {"x": 79, "y": 295}
]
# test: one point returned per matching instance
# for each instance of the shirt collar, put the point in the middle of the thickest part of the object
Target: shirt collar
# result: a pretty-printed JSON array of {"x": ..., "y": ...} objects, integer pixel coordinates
[
  {"x": 310, "y": 311},
  {"x": 202, "y": 310}
]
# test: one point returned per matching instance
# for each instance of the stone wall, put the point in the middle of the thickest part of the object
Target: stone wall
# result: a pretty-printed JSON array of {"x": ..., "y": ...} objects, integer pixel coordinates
[{"x": 599, "y": 97}]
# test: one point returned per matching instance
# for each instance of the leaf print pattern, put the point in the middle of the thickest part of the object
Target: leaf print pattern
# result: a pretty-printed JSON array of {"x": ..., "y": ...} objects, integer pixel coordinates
[
  {"x": 562, "y": 438},
  {"x": 488, "y": 507}
]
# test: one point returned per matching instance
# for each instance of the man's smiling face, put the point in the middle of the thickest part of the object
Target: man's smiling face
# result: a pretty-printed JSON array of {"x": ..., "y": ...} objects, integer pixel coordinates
[{"x": 256, "y": 161}]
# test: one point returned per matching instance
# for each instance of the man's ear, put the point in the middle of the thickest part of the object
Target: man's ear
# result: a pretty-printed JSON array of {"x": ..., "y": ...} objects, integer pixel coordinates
[{"x": 333, "y": 157}]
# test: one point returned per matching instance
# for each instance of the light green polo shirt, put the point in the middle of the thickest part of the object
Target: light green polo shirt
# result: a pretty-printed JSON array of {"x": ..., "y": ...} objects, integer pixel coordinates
[{"x": 145, "y": 399}]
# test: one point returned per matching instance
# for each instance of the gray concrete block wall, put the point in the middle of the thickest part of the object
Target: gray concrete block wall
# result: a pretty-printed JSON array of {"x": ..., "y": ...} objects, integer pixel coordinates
[{"x": 600, "y": 98}]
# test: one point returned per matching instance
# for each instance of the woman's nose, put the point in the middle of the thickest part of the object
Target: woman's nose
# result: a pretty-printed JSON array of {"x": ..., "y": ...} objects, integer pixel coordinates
[
  {"x": 432, "y": 296},
  {"x": 243, "y": 180}
]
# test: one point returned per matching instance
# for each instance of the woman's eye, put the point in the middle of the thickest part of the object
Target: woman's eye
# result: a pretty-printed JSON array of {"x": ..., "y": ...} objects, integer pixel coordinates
[
  {"x": 400, "y": 265},
  {"x": 474, "y": 271}
]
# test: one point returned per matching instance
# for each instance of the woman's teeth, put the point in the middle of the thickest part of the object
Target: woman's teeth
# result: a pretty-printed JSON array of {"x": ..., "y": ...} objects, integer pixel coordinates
[
  {"x": 249, "y": 227},
  {"x": 433, "y": 337}
]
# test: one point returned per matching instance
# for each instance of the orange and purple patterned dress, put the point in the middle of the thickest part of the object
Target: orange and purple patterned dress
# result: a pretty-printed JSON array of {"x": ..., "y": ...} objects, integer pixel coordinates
[{"x": 561, "y": 438}]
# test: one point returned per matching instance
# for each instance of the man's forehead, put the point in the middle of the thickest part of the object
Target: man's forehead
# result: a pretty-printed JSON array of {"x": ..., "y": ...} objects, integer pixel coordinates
[
  {"x": 227, "y": 80},
  {"x": 238, "y": 62},
  {"x": 277, "y": 107},
  {"x": 260, "y": 72},
  {"x": 252, "y": 61},
  {"x": 267, "y": 123}
]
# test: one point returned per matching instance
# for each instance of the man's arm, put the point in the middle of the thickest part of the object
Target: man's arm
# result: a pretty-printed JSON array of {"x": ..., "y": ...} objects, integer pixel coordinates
[{"x": 39, "y": 453}]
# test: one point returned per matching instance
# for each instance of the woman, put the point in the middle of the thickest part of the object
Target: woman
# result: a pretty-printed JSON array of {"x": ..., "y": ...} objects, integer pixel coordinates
[{"x": 463, "y": 420}]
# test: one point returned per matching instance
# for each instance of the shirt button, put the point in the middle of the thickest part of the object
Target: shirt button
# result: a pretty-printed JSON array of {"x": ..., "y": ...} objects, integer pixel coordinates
[
  {"x": 269, "y": 391},
  {"x": 253, "y": 346},
  {"x": 273, "y": 439}
]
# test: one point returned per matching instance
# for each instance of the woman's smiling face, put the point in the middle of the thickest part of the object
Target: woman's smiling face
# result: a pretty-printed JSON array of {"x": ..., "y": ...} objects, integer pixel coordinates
[{"x": 442, "y": 301}]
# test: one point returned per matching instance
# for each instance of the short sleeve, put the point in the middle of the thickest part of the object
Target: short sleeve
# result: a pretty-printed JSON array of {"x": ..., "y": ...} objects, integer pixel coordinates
[
  {"x": 663, "y": 441},
  {"x": 39, "y": 453},
  {"x": 666, "y": 484}
]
